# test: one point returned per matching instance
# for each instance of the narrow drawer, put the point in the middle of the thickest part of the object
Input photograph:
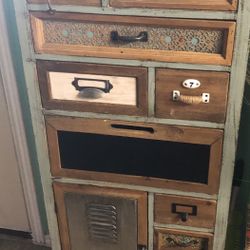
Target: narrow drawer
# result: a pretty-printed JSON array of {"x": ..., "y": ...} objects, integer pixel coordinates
[
  {"x": 191, "y": 95},
  {"x": 131, "y": 37},
  {"x": 166, "y": 239},
  {"x": 68, "y": 2},
  {"x": 155, "y": 155},
  {"x": 184, "y": 211},
  {"x": 93, "y": 88},
  {"x": 180, "y": 4}
]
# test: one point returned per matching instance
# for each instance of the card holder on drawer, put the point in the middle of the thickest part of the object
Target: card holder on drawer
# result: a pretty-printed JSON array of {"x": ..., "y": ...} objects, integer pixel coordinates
[
  {"x": 146, "y": 154},
  {"x": 180, "y": 93},
  {"x": 169, "y": 239},
  {"x": 180, "y": 4},
  {"x": 184, "y": 211},
  {"x": 93, "y": 88},
  {"x": 131, "y": 37}
]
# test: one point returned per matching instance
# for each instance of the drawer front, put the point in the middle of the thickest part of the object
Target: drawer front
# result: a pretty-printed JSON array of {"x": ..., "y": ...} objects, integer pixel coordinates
[
  {"x": 180, "y": 4},
  {"x": 181, "y": 240},
  {"x": 93, "y": 88},
  {"x": 100, "y": 218},
  {"x": 208, "y": 42},
  {"x": 191, "y": 88},
  {"x": 155, "y": 155},
  {"x": 184, "y": 211},
  {"x": 68, "y": 2}
]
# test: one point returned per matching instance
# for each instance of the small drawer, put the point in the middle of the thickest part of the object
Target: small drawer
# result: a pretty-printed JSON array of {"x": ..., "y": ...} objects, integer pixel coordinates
[
  {"x": 191, "y": 95},
  {"x": 166, "y": 239},
  {"x": 132, "y": 37},
  {"x": 93, "y": 88},
  {"x": 144, "y": 154},
  {"x": 68, "y": 2},
  {"x": 184, "y": 211},
  {"x": 228, "y": 5}
]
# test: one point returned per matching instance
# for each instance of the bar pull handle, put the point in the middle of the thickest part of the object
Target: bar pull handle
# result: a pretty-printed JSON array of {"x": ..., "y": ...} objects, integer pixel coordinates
[
  {"x": 142, "y": 37},
  {"x": 103, "y": 85},
  {"x": 190, "y": 99}
]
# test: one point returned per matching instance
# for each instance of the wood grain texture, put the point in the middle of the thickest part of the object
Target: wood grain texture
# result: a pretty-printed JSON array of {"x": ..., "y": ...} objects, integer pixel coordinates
[
  {"x": 214, "y": 83},
  {"x": 212, "y": 137},
  {"x": 206, "y": 211},
  {"x": 61, "y": 189},
  {"x": 139, "y": 73},
  {"x": 223, "y": 58},
  {"x": 68, "y": 2},
  {"x": 173, "y": 4},
  {"x": 159, "y": 239}
]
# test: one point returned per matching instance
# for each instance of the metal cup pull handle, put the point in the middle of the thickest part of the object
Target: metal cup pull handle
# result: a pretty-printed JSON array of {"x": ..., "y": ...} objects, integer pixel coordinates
[
  {"x": 107, "y": 86},
  {"x": 190, "y": 99},
  {"x": 142, "y": 37}
]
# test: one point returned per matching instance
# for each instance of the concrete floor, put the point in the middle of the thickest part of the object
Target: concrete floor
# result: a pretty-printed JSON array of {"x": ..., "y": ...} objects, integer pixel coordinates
[{"x": 17, "y": 243}]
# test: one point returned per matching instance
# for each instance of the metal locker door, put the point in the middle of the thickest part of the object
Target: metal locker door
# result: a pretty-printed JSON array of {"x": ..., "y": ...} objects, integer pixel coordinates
[{"x": 101, "y": 222}]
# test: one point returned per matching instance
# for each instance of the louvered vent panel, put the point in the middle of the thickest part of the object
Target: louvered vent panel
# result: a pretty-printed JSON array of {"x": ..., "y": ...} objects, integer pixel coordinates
[{"x": 102, "y": 222}]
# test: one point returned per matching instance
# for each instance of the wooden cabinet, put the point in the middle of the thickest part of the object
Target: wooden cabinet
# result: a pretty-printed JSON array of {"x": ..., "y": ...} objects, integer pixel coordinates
[{"x": 135, "y": 108}]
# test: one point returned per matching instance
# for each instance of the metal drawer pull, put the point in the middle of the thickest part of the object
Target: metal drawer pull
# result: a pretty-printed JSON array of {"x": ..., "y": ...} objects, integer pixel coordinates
[
  {"x": 184, "y": 211},
  {"x": 189, "y": 99},
  {"x": 136, "y": 128},
  {"x": 140, "y": 247},
  {"x": 142, "y": 37},
  {"x": 50, "y": 10},
  {"x": 107, "y": 86}
]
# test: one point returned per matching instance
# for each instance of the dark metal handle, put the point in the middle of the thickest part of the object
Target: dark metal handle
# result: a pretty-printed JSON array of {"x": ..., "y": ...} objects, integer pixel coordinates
[
  {"x": 176, "y": 209},
  {"x": 106, "y": 89},
  {"x": 50, "y": 10},
  {"x": 141, "y": 247},
  {"x": 142, "y": 37}
]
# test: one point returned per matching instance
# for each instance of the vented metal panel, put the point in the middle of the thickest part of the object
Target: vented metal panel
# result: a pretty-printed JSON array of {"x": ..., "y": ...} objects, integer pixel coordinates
[{"x": 101, "y": 222}]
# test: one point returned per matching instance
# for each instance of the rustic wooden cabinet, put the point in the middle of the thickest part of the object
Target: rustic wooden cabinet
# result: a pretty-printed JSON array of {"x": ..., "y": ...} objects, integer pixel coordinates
[{"x": 135, "y": 108}]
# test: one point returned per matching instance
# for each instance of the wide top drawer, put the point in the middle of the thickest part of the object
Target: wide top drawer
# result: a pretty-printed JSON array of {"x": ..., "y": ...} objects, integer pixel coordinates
[
  {"x": 180, "y": 4},
  {"x": 68, "y": 2},
  {"x": 127, "y": 37}
]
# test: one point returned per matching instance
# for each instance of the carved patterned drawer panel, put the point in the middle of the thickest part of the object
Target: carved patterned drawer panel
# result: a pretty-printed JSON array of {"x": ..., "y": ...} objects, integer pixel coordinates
[
  {"x": 156, "y": 155},
  {"x": 68, "y": 2},
  {"x": 180, "y": 4},
  {"x": 207, "y": 42},
  {"x": 184, "y": 211},
  {"x": 181, "y": 240},
  {"x": 191, "y": 95},
  {"x": 93, "y": 88}
]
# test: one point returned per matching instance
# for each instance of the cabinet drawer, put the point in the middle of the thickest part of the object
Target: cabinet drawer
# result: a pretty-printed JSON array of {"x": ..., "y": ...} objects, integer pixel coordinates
[
  {"x": 191, "y": 88},
  {"x": 68, "y": 2},
  {"x": 148, "y": 154},
  {"x": 184, "y": 211},
  {"x": 93, "y": 88},
  {"x": 203, "y": 41},
  {"x": 100, "y": 218},
  {"x": 166, "y": 239},
  {"x": 180, "y": 4}
]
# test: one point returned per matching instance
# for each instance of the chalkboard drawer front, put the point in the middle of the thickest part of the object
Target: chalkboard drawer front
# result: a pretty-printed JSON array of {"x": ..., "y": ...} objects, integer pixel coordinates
[
  {"x": 127, "y": 37},
  {"x": 68, "y": 2},
  {"x": 169, "y": 239},
  {"x": 228, "y": 5},
  {"x": 145, "y": 154},
  {"x": 185, "y": 211},
  {"x": 93, "y": 87},
  {"x": 191, "y": 95}
]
